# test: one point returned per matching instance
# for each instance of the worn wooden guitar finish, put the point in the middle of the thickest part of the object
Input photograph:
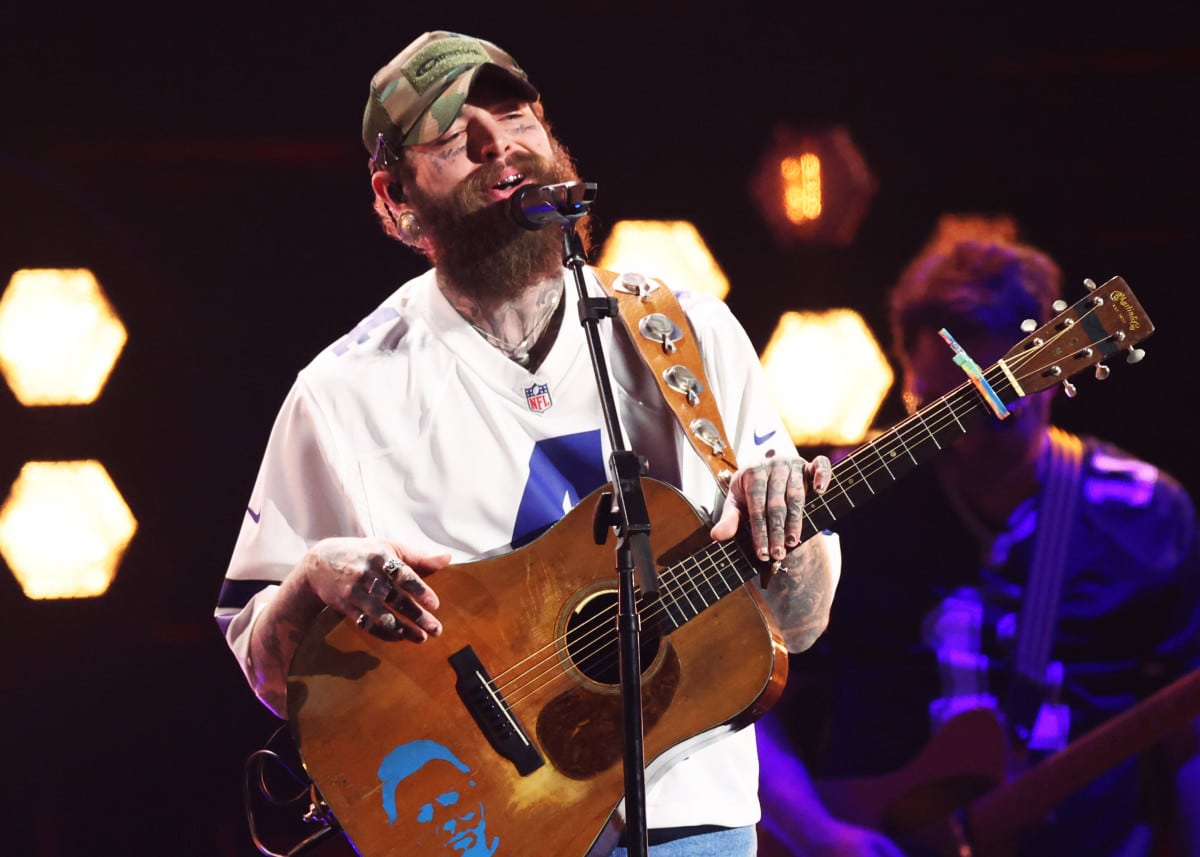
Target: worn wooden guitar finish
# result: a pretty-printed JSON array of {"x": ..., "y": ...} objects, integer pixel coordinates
[{"x": 515, "y": 713}]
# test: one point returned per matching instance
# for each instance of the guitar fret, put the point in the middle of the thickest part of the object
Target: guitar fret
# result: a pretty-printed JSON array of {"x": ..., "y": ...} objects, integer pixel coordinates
[
  {"x": 904, "y": 445},
  {"x": 825, "y": 500},
  {"x": 735, "y": 564},
  {"x": 689, "y": 585},
  {"x": 862, "y": 476},
  {"x": 883, "y": 461},
  {"x": 678, "y": 580},
  {"x": 717, "y": 596},
  {"x": 957, "y": 422},
  {"x": 930, "y": 432},
  {"x": 668, "y": 600}
]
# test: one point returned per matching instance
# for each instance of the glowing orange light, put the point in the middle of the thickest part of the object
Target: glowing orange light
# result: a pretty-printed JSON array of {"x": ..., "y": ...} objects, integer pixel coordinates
[
  {"x": 801, "y": 187},
  {"x": 828, "y": 376},
  {"x": 812, "y": 186},
  {"x": 670, "y": 250},
  {"x": 64, "y": 529},
  {"x": 59, "y": 336}
]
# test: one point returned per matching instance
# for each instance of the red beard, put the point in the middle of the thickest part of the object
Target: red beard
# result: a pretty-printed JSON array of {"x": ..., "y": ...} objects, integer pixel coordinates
[{"x": 478, "y": 249}]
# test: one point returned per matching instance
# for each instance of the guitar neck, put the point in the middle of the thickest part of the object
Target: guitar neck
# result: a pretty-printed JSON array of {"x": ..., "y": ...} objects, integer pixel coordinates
[
  {"x": 1099, "y": 326},
  {"x": 719, "y": 568},
  {"x": 1000, "y": 816},
  {"x": 872, "y": 467},
  {"x": 1105, "y": 322}
]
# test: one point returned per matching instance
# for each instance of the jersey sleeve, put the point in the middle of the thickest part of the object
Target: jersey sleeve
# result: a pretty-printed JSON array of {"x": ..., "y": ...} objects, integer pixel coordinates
[{"x": 297, "y": 500}]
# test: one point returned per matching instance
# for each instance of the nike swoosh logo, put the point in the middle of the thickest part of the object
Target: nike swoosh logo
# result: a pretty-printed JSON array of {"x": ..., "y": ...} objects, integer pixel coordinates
[
  {"x": 760, "y": 439},
  {"x": 254, "y": 516}
]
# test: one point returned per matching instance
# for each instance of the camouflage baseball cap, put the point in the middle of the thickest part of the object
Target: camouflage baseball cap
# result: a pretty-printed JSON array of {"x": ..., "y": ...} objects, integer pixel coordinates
[{"x": 416, "y": 96}]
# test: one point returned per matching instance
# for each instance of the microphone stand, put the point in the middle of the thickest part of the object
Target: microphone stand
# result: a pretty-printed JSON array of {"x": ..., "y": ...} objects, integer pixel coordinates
[{"x": 626, "y": 511}]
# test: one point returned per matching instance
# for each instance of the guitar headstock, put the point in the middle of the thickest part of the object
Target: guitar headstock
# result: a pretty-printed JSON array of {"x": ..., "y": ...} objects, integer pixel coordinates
[{"x": 1103, "y": 323}]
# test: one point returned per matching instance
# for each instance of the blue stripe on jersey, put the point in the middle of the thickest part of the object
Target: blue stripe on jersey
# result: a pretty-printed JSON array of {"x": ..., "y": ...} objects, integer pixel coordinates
[
  {"x": 562, "y": 470},
  {"x": 237, "y": 593}
]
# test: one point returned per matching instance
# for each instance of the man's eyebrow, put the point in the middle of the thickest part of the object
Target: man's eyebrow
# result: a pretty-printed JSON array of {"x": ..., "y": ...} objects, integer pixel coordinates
[{"x": 507, "y": 105}]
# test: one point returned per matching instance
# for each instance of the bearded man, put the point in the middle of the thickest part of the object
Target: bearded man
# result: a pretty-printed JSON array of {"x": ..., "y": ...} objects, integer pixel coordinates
[{"x": 461, "y": 420}]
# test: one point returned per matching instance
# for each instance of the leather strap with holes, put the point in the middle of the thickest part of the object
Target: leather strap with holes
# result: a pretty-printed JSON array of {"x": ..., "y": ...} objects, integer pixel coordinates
[{"x": 669, "y": 350}]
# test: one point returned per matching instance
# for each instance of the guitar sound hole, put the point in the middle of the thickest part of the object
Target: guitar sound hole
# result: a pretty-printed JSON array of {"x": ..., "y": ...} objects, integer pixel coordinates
[{"x": 592, "y": 641}]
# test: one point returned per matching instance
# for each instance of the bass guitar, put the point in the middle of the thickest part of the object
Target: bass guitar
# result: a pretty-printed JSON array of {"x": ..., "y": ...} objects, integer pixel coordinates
[
  {"x": 956, "y": 790},
  {"x": 504, "y": 735}
]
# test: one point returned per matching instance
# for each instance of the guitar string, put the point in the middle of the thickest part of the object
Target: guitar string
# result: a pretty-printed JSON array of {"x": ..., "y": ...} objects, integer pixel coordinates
[
  {"x": 601, "y": 630},
  {"x": 964, "y": 391},
  {"x": 600, "y": 633},
  {"x": 596, "y": 634}
]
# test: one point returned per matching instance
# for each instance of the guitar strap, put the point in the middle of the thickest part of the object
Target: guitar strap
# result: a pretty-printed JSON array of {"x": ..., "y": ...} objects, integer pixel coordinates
[
  {"x": 664, "y": 338},
  {"x": 1039, "y": 608}
]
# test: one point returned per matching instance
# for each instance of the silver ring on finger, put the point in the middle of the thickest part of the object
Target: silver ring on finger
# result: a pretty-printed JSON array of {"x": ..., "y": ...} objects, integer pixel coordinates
[
  {"x": 393, "y": 567},
  {"x": 363, "y": 620},
  {"x": 380, "y": 589}
]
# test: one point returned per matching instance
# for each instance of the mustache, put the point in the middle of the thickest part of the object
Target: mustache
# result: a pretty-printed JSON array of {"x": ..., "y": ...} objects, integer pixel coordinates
[{"x": 532, "y": 168}]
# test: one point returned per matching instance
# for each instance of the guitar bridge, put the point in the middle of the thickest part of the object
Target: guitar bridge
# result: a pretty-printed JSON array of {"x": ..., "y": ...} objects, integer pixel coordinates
[{"x": 492, "y": 714}]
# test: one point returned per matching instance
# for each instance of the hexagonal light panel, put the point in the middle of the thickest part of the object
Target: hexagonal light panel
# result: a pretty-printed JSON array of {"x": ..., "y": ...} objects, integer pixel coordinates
[
  {"x": 671, "y": 250},
  {"x": 59, "y": 336},
  {"x": 813, "y": 186},
  {"x": 64, "y": 529},
  {"x": 828, "y": 376}
]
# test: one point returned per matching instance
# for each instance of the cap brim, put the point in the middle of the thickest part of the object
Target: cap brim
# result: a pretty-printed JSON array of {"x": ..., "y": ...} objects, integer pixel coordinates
[{"x": 445, "y": 107}]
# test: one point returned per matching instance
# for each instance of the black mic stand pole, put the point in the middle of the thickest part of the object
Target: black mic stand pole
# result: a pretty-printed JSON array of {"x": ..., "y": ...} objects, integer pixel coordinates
[{"x": 628, "y": 514}]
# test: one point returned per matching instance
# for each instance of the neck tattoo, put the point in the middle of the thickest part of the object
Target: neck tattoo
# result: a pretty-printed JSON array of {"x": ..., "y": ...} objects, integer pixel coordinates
[{"x": 519, "y": 353}]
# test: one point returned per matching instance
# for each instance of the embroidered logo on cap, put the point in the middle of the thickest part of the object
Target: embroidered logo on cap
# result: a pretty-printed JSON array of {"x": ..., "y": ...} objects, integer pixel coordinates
[{"x": 439, "y": 58}]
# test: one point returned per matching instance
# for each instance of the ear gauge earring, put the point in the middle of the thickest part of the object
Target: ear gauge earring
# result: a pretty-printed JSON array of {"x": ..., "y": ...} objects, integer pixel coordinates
[{"x": 409, "y": 228}]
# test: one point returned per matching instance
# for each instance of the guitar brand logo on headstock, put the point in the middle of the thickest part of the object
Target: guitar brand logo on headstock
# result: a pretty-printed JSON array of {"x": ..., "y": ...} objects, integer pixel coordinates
[{"x": 1129, "y": 313}]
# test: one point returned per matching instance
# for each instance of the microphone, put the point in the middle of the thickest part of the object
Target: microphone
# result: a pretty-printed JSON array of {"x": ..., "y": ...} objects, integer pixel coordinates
[{"x": 536, "y": 206}]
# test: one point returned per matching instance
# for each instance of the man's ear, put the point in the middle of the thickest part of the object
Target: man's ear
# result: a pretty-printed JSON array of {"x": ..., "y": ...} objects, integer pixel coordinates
[{"x": 388, "y": 188}]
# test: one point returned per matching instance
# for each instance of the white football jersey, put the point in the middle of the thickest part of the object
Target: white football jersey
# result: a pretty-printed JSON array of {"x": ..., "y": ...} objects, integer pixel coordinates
[{"x": 414, "y": 429}]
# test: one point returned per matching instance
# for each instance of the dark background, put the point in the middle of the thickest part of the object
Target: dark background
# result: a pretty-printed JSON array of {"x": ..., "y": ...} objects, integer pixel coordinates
[{"x": 204, "y": 161}]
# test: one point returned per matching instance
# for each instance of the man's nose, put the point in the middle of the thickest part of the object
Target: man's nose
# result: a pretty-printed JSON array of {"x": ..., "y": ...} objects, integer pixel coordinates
[{"x": 488, "y": 140}]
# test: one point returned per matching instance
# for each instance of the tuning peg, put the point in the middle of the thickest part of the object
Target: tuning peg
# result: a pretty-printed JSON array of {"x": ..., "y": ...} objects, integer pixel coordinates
[
  {"x": 1028, "y": 326},
  {"x": 1102, "y": 371},
  {"x": 1069, "y": 389},
  {"x": 1059, "y": 305},
  {"x": 1135, "y": 355},
  {"x": 1090, "y": 283}
]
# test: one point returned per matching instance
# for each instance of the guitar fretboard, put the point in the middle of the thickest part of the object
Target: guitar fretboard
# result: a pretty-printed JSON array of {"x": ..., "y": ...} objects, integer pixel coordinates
[{"x": 687, "y": 588}]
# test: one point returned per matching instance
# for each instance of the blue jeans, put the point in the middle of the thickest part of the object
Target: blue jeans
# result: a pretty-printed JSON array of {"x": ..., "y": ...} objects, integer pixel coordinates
[{"x": 732, "y": 842}]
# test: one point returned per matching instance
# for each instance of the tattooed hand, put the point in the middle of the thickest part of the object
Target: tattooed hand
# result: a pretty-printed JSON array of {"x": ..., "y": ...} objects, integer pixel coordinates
[
  {"x": 377, "y": 583},
  {"x": 769, "y": 497},
  {"x": 800, "y": 594}
]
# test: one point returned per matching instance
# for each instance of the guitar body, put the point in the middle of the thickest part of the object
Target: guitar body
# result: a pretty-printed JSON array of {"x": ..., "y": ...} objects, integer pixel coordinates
[{"x": 368, "y": 714}]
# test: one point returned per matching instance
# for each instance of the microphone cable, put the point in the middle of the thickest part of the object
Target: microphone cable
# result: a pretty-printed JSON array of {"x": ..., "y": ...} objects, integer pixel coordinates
[{"x": 256, "y": 780}]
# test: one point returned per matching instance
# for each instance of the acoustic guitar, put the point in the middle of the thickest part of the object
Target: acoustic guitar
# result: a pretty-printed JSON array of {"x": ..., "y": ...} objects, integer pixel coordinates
[{"x": 511, "y": 721}]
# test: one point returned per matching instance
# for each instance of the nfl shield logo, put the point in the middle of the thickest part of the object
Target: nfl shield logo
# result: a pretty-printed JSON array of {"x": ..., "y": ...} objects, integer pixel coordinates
[{"x": 537, "y": 397}]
